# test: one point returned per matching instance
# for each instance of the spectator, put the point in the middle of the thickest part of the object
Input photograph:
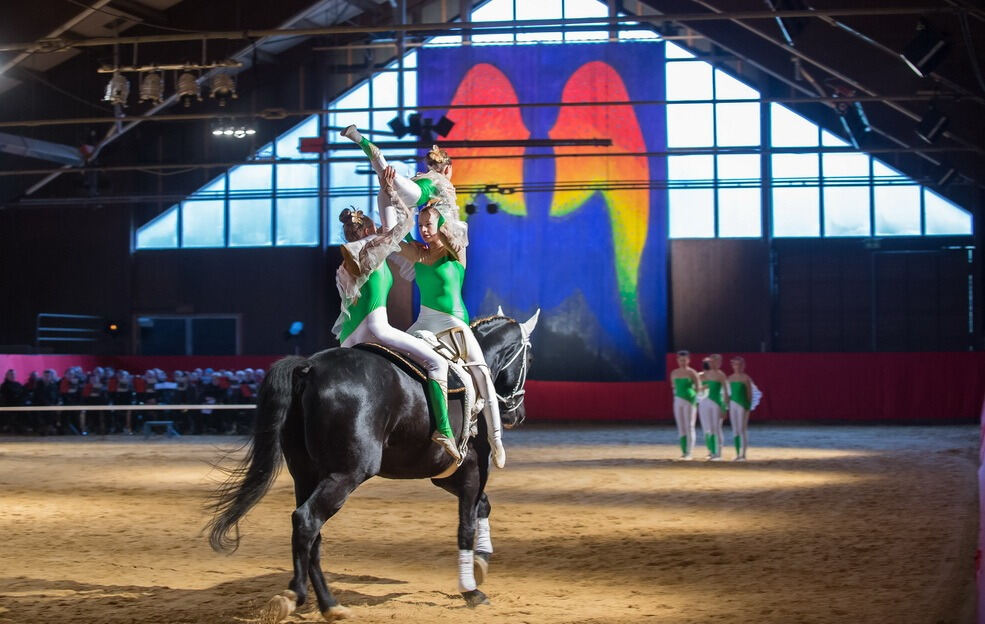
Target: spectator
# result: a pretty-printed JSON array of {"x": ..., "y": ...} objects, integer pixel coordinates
[
  {"x": 94, "y": 393},
  {"x": 120, "y": 389},
  {"x": 11, "y": 395},
  {"x": 46, "y": 393}
]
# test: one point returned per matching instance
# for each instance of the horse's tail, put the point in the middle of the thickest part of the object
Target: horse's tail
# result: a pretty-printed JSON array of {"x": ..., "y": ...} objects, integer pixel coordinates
[{"x": 246, "y": 484}]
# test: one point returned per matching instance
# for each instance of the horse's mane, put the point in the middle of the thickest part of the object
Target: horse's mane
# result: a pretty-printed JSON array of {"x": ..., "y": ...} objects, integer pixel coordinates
[{"x": 477, "y": 323}]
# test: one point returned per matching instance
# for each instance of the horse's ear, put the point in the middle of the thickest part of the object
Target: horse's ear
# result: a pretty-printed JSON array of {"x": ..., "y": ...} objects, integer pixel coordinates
[
  {"x": 499, "y": 311},
  {"x": 527, "y": 327}
]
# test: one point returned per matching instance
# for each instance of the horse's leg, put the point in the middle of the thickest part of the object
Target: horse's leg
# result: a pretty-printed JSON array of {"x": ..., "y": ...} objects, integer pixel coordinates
[
  {"x": 308, "y": 519},
  {"x": 466, "y": 484},
  {"x": 483, "y": 541}
]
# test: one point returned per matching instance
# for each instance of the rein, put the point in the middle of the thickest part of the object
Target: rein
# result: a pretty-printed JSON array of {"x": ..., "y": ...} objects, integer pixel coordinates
[{"x": 515, "y": 399}]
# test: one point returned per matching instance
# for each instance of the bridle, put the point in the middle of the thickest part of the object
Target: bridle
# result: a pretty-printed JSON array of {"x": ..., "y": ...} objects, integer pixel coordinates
[{"x": 515, "y": 398}]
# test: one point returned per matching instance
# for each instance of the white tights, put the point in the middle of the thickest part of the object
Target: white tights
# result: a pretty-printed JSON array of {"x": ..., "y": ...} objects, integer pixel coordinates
[
  {"x": 684, "y": 415},
  {"x": 739, "y": 418},
  {"x": 710, "y": 415},
  {"x": 376, "y": 328}
]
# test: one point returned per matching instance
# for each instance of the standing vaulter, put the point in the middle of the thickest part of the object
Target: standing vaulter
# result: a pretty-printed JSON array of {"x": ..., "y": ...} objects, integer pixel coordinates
[
  {"x": 687, "y": 384},
  {"x": 713, "y": 404}
]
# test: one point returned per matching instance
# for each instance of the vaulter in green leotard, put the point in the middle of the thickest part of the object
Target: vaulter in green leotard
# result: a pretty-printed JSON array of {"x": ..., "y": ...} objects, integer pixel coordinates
[
  {"x": 439, "y": 276},
  {"x": 364, "y": 281},
  {"x": 687, "y": 384},
  {"x": 712, "y": 405},
  {"x": 740, "y": 404}
]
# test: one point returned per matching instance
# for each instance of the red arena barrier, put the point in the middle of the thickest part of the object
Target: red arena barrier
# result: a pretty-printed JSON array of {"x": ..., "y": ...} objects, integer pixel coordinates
[{"x": 839, "y": 387}]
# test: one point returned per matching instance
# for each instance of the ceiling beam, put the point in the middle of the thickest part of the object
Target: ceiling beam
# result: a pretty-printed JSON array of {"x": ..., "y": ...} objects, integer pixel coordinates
[{"x": 37, "y": 46}]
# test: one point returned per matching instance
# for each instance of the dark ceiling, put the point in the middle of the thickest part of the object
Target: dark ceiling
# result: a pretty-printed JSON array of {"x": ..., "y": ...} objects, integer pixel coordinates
[{"x": 846, "y": 54}]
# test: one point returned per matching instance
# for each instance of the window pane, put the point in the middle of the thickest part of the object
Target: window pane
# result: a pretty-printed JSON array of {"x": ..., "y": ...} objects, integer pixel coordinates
[
  {"x": 287, "y": 144},
  {"x": 886, "y": 173},
  {"x": 692, "y": 213},
  {"x": 445, "y": 40},
  {"x": 689, "y": 125},
  {"x": 849, "y": 165},
  {"x": 214, "y": 189},
  {"x": 637, "y": 34},
  {"x": 161, "y": 232},
  {"x": 846, "y": 211},
  {"x": 740, "y": 212},
  {"x": 580, "y": 8},
  {"x": 249, "y": 222},
  {"x": 795, "y": 166},
  {"x": 203, "y": 223},
  {"x": 495, "y": 11},
  {"x": 796, "y": 212},
  {"x": 250, "y": 178},
  {"x": 542, "y": 9},
  {"x": 674, "y": 51},
  {"x": 297, "y": 177},
  {"x": 690, "y": 168},
  {"x": 689, "y": 81},
  {"x": 737, "y": 124},
  {"x": 728, "y": 88},
  {"x": 738, "y": 166},
  {"x": 943, "y": 217},
  {"x": 788, "y": 129},
  {"x": 385, "y": 94},
  {"x": 357, "y": 98},
  {"x": 297, "y": 221},
  {"x": 830, "y": 140},
  {"x": 897, "y": 210}
]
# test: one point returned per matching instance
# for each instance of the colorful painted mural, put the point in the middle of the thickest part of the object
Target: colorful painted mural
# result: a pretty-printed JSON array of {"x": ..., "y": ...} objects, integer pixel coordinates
[{"x": 579, "y": 232}]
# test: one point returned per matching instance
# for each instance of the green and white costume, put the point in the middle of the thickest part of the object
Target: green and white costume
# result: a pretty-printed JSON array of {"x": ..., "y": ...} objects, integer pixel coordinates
[
  {"x": 711, "y": 409},
  {"x": 685, "y": 413},
  {"x": 740, "y": 404}
]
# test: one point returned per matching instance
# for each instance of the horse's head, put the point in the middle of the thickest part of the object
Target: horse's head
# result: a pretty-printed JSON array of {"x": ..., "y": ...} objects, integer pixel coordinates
[{"x": 506, "y": 344}]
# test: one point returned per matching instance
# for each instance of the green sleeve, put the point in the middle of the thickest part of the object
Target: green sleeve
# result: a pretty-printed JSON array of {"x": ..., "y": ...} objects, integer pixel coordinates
[{"x": 428, "y": 190}]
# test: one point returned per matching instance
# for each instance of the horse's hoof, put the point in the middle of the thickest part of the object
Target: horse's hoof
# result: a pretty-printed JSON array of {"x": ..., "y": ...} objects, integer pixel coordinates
[
  {"x": 338, "y": 612},
  {"x": 474, "y": 598},
  {"x": 480, "y": 567},
  {"x": 279, "y": 607}
]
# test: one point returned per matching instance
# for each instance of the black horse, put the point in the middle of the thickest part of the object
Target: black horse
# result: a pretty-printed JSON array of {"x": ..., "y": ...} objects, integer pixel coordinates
[{"x": 343, "y": 416}]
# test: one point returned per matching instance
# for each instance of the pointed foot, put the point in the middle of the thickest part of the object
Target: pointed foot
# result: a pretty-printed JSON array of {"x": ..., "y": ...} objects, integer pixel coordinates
[
  {"x": 338, "y": 612},
  {"x": 279, "y": 607},
  {"x": 448, "y": 445},
  {"x": 498, "y": 454},
  {"x": 475, "y": 598},
  {"x": 480, "y": 567},
  {"x": 351, "y": 133}
]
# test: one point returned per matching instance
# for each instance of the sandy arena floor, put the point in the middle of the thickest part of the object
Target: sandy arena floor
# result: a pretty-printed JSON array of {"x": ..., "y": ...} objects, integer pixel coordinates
[{"x": 824, "y": 524}]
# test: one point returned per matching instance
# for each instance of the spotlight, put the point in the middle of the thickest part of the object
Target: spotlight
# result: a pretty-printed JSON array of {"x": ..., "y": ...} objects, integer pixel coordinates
[
  {"x": 470, "y": 209},
  {"x": 932, "y": 125},
  {"x": 228, "y": 131},
  {"x": 444, "y": 126},
  {"x": 250, "y": 131},
  {"x": 492, "y": 208},
  {"x": 239, "y": 133},
  {"x": 223, "y": 88},
  {"x": 217, "y": 131},
  {"x": 926, "y": 51},
  {"x": 113, "y": 328},
  {"x": 398, "y": 126},
  {"x": 188, "y": 89},
  {"x": 152, "y": 88},
  {"x": 117, "y": 90}
]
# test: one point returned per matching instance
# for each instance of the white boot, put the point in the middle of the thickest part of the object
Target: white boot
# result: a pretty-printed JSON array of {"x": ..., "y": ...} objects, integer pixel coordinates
[
  {"x": 498, "y": 453},
  {"x": 352, "y": 134}
]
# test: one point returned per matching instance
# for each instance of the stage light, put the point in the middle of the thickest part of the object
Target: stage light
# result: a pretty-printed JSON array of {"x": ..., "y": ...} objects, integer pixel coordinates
[
  {"x": 492, "y": 208},
  {"x": 152, "y": 88},
  {"x": 250, "y": 131},
  {"x": 444, "y": 126},
  {"x": 117, "y": 90},
  {"x": 398, "y": 126},
  {"x": 470, "y": 209},
  {"x": 926, "y": 51},
  {"x": 239, "y": 133},
  {"x": 296, "y": 328},
  {"x": 113, "y": 328},
  {"x": 223, "y": 88},
  {"x": 228, "y": 131},
  {"x": 932, "y": 125},
  {"x": 188, "y": 89}
]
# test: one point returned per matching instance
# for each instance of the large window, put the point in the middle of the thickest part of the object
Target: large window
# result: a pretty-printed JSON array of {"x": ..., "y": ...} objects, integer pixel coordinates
[
  {"x": 721, "y": 177},
  {"x": 251, "y": 205}
]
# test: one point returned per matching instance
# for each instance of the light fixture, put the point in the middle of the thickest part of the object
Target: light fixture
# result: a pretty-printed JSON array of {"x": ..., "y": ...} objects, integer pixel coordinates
[
  {"x": 470, "y": 209},
  {"x": 152, "y": 88},
  {"x": 932, "y": 125},
  {"x": 926, "y": 51},
  {"x": 223, "y": 88},
  {"x": 217, "y": 131},
  {"x": 492, "y": 208},
  {"x": 398, "y": 126},
  {"x": 444, "y": 126},
  {"x": 225, "y": 127},
  {"x": 117, "y": 90},
  {"x": 188, "y": 89}
]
